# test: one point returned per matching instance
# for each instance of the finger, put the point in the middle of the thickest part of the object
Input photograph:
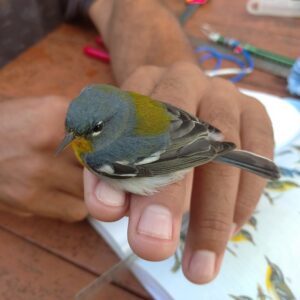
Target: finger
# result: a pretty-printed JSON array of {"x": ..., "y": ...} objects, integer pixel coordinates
[
  {"x": 154, "y": 221},
  {"x": 56, "y": 172},
  {"x": 257, "y": 136},
  {"x": 214, "y": 190},
  {"x": 58, "y": 205},
  {"x": 103, "y": 202},
  {"x": 66, "y": 177},
  {"x": 144, "y": 79},
  {"x": 7, "y": 208}
]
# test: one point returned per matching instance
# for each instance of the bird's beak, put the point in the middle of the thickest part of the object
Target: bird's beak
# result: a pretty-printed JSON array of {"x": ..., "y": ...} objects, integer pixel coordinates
[
  {"x": 268, "y": 261},
  {"x": 69, "y": 137}
]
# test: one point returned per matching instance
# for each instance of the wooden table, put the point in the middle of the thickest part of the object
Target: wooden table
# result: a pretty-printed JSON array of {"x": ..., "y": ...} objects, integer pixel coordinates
[{"x": 42, "y": 259}]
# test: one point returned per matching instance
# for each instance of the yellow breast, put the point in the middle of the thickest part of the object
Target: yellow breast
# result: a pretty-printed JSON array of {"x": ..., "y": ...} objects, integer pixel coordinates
[
  {"x": 238, "y": 238},
  {"x": 268, "y": 278}
]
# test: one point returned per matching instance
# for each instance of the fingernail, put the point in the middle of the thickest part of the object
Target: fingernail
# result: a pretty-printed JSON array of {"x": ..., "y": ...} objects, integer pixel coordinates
[
  {"x": 156, "y": 221},
  {"x": 202, "y": 266},
  {"x": 109, "y": 196}
]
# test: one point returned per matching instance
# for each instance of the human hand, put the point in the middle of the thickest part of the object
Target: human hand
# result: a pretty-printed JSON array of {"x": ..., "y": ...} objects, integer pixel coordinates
[
  {"x": 220, "y": 198},
  {"x": 32, "y": 180}
]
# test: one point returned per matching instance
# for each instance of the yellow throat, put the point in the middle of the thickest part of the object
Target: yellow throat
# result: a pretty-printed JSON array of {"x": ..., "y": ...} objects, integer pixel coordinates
[{"x": 81, "y": 146}]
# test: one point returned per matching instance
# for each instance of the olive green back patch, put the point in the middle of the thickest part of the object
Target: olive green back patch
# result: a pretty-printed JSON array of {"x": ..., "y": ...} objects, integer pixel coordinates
[{"x": 152, "y": 117}]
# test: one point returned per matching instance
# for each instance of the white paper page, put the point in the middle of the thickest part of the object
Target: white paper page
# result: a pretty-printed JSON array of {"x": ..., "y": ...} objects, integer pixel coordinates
[
  {"x": 284, "y": 116},
  {"x": 115, "y": 234}
]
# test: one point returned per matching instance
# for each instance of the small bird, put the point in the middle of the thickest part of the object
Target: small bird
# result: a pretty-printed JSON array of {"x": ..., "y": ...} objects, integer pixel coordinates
[
  {"x": 240, "y": 297},
  {"x": 243, "y": 236},
  {"x": 276, "y": 284},
  {"x": 260, "y": 293},
  {"x": 252, "y": 222},
  {"x": 139, "y": 144},
  {"x": 281, "y": 186}
]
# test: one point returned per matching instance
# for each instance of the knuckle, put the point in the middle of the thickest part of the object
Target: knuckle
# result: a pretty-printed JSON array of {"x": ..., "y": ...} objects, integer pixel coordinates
[
  {"x": 173, "y": 90},
  {"x": 182, "y": 84},
  {"x": 223, "y": 94},
  {"x": 223, "y": 116},
  {"x": 211, "y": 232},
  {"x": 143, "y": 79},
  {"x": 215, "y": 225},
  {"x": 144, "y": 70},
  {"x": 183, "y": 75},
  {"x": 171, "y": 84},
  {"x": 190, "y": 75},
  {"x": 222, "y": 85},
  {"x": 183, "y": 66}
]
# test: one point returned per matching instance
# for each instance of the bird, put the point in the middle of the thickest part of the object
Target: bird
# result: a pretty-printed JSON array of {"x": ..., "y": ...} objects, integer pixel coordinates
[
  {"x": 139, "y": 144},
  {"x": 276, "y": 284},
  {"x": 240, "y": 297},
  {"x": 243, "y": 236},
  {"x": 252, "y": 222},
  {"x": 260, "y": 293},
  {"x": 281, "y": 186}
]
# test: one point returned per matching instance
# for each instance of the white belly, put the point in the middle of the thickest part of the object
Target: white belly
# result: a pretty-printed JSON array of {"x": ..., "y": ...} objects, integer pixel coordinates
[{"x": 145, "y": 185}]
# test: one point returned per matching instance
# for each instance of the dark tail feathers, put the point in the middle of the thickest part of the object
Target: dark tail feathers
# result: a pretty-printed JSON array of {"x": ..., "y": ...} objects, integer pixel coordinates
[{"x": 251, "y": 162}]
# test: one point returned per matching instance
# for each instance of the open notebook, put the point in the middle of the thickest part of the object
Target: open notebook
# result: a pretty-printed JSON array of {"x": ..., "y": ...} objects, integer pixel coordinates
[{"x": 263, "y": 260}]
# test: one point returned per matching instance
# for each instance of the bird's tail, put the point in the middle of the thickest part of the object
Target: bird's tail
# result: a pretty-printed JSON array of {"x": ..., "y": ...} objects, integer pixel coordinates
[{"x": 251, "y": 162}]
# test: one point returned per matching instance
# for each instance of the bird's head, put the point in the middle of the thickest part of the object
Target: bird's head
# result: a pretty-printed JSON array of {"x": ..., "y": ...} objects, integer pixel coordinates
[{"x": 95, "y": 118}]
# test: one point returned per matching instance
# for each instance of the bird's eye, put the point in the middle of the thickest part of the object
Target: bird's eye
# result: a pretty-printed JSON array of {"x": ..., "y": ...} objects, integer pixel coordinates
[{"x": 97, "y": 128}]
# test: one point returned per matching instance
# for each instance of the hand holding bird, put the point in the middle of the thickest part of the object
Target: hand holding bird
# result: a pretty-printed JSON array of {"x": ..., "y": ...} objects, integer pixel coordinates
[{"x": 220, "y": 197}]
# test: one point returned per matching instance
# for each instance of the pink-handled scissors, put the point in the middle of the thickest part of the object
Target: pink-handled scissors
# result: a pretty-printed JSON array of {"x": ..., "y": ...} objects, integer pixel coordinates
[{"x": 100, "y": 54}]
